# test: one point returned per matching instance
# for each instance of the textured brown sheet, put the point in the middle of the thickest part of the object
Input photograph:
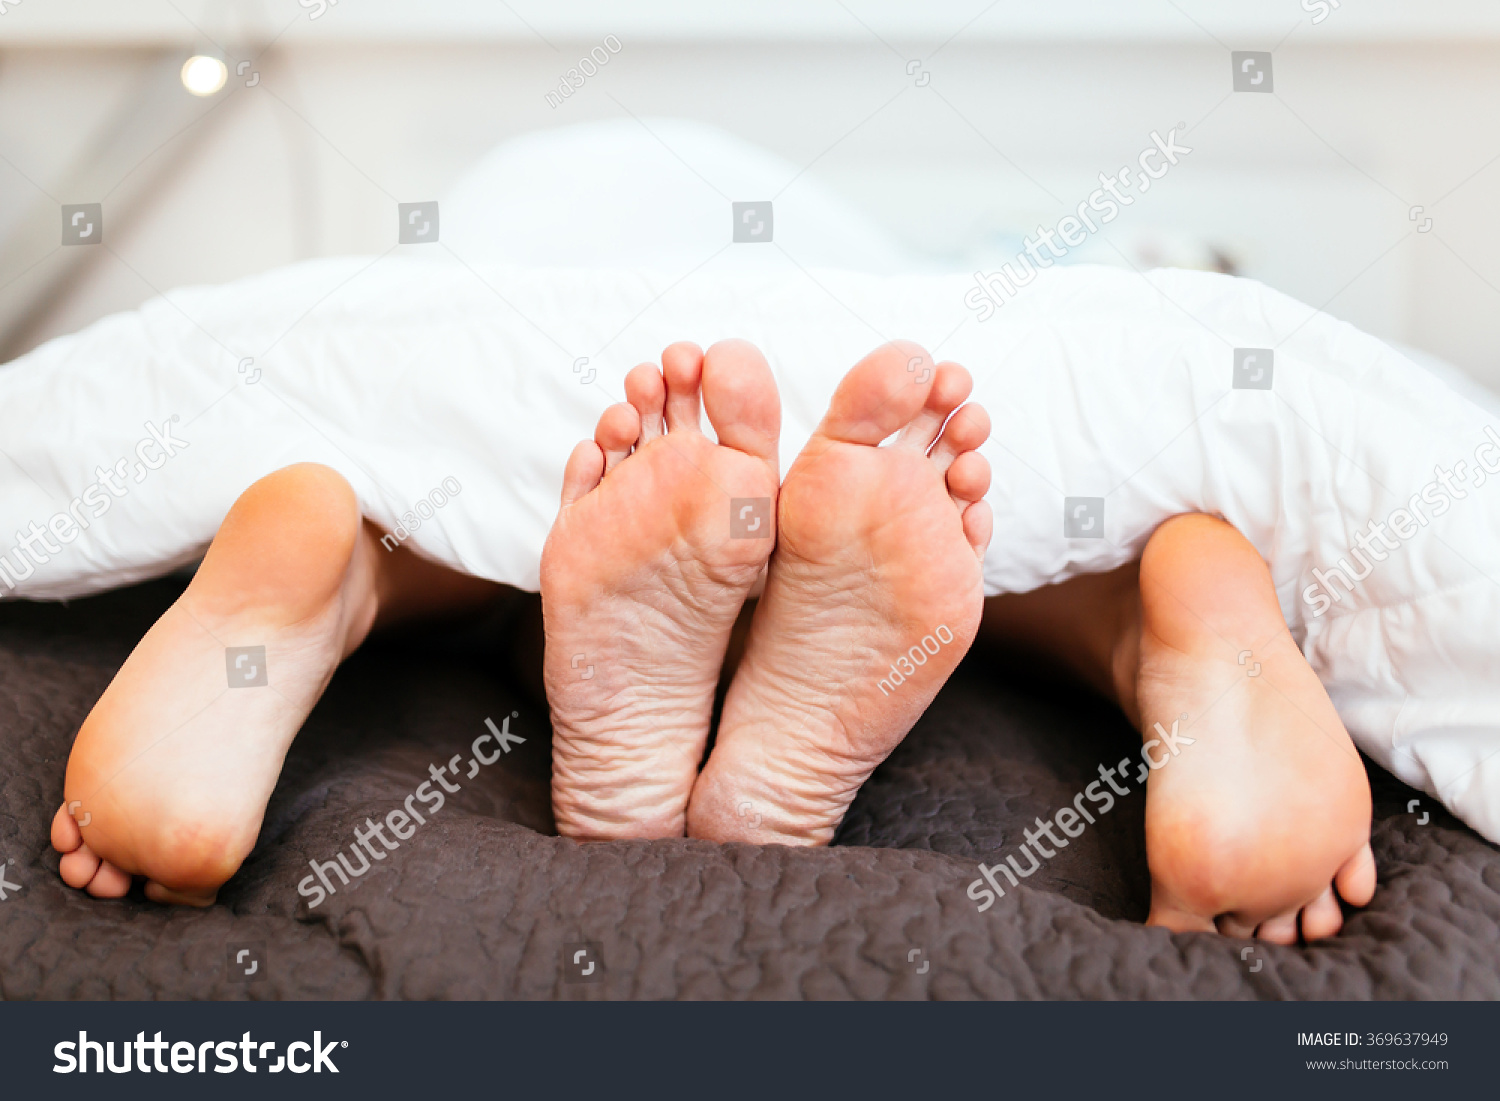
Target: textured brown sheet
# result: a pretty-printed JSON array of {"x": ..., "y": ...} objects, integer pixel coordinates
[{"x": 482, "y": 901}]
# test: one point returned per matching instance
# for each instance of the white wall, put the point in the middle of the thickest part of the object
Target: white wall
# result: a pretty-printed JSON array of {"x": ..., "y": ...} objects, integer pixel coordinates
[{"x": 1309, "y": 189}]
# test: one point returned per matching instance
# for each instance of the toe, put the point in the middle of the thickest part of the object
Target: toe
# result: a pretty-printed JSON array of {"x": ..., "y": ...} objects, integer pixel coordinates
[
  {"x": 65, "y": 834},
  {"x": 585, "y": 468},
  {"x": 978, "y": 522},
  {"x": 78, "y": 867},
  {"x": 109, "y": 882},
  {"x": 1322, "y": 917},
  {"x": 647, "y": 391},
  {"x": 882, "y": 393},
  {"x": 964, "y": 432},
  {"x": 950, "y": 387},
  {"x": 968, "y": 478},
  {"x": 617, "y": 432},
  {"x": 739, "y": 392},
  {"x": 1356, "y": 879},
  {"x": 1281, "y": 929},
  {"x": 682, "y": 368}
]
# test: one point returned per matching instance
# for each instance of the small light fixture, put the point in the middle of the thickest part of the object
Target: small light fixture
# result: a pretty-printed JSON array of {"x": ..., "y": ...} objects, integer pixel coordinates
[{"x": 203, "y": 76}]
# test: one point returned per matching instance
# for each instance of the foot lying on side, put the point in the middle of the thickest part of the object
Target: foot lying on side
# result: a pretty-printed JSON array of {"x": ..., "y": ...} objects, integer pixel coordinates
[
  {"x": 661, "y": 536},
  {"x": 1265, "y": 817},
  {"x": 171, "y": 772},
  {"x": 873, "y": 595}
]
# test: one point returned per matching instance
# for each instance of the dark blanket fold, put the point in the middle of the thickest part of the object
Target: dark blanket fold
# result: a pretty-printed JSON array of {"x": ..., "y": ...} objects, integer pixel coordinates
[{"x": 483, "y": 901}]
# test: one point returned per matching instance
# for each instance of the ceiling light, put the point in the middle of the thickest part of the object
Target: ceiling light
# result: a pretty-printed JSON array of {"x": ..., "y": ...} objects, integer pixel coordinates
[{"x": 203, "y": 76}]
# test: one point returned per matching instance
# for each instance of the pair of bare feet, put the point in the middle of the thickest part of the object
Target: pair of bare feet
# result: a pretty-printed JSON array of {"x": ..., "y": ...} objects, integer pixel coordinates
[
  {"x": 873, "y": 593},
  {"x": 868, "y": 550}
]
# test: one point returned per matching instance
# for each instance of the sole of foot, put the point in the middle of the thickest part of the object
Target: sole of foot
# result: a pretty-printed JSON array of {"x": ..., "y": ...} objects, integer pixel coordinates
[
  {"x": 873, "y": 595},
  {"x": 171, "y": 772},
  {"x": 1262, "y": 823},
  {"x": 662, "y": 534}
]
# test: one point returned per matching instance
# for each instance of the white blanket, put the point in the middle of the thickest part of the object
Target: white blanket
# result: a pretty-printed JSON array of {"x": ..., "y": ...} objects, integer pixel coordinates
[{"x": 410, "y": 374}]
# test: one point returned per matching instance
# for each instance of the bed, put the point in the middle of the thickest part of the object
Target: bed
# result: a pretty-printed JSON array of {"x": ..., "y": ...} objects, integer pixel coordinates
[{"x": 486, "y": 902}]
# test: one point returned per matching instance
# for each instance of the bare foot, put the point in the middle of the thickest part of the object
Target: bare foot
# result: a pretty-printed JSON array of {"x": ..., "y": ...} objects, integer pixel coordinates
[
  {"x": 1265, "y": 816},
  {"x": 643, "y": 574},
  {"x": 873, "y": 596},
  {"x": 171, "y": 772}
]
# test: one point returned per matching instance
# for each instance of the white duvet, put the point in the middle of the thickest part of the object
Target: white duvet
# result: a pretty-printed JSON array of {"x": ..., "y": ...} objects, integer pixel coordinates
[{"x": 419, "y": 373}]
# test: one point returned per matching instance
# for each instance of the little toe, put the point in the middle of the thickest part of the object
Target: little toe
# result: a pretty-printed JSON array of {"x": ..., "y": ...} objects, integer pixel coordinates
[
  {"x": 979, "y": 522},
  {"x": 1322, "y": 917},
  {"x": 739, "y": 393},
  {"x": 65, "y": 833},
  {"x": 682, "y": 370},
  {"x": 964, "y": 432},
  {"x": 879, "y": 395},
  {"x": 618, "y": 429},
  {"x": 1356, "y": 879},
  {"x": 585, "y": 468},
  {"x": 950, "y": 388},
  {"x": 78, "y": 867},
  {"x": 647, "y": 391},
  {"x": 109, "y": 882},
  {"x": 1281, "y": 929}
]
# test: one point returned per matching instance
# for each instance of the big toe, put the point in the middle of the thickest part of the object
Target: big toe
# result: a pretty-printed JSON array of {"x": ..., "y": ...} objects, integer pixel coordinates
[
  {"x": 882, "y": 393},
  {"x": 740, "y": 396}
]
